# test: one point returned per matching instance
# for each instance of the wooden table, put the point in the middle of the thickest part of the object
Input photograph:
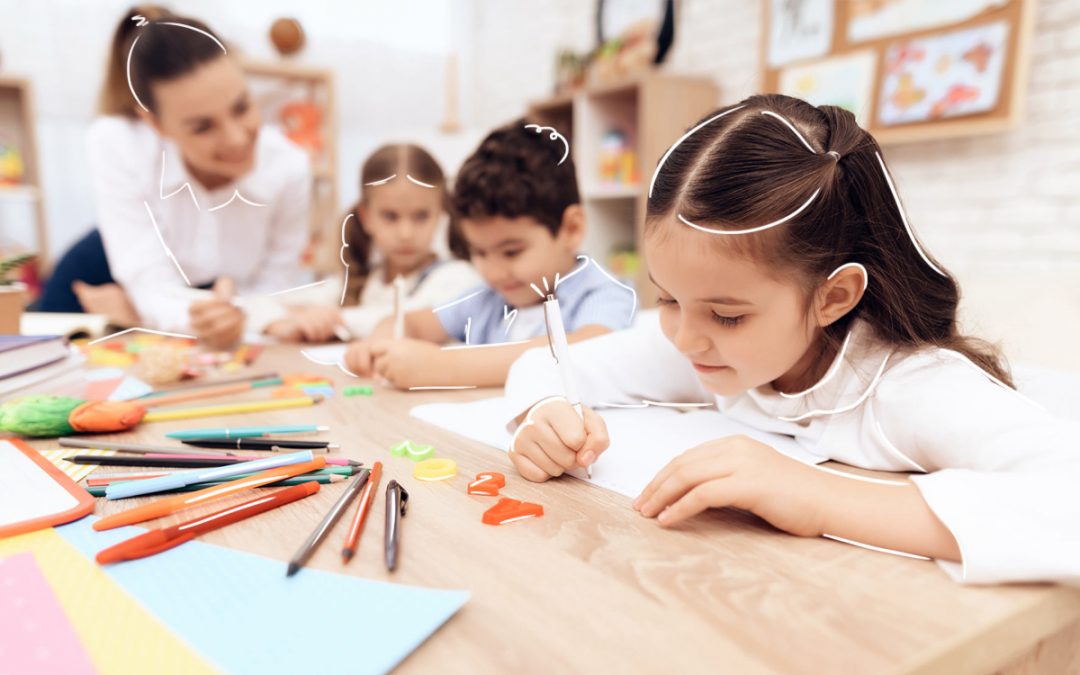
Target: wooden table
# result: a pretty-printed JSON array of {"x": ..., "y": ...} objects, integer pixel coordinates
[{"x": 593, "y": 586}]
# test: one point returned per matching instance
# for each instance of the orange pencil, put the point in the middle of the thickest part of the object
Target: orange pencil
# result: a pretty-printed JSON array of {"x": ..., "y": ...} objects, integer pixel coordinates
[
  {"x": 169, "y": 505},
  {"x": 156, "y": 541},
  {"x": 208, "y": 392},
  {"x": 361, "y": 513}
]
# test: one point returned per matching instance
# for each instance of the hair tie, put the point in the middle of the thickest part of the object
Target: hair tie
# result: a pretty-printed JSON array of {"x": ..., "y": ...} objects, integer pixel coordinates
[{"x": 835, "y": 155}]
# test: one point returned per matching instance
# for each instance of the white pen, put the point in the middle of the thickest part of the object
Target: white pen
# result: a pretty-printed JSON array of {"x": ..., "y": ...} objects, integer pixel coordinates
[
  {"x": 560, "y": 349},
  {"x": 399, "y": 307},
  {"x": 342, "y": 333}
]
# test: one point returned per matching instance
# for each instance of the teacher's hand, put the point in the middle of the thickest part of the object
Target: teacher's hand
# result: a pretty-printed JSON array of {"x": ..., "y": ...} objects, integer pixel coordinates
[{"x": 217, "y": 321}]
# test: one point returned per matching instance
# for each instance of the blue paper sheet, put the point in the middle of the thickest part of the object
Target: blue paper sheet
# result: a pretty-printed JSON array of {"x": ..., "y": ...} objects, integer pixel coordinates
[{"x": 240, "y": 612}]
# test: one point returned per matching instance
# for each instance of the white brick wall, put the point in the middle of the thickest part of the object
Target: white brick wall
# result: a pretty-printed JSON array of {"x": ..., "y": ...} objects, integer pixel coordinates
[{"x": 1002, "y": 211}]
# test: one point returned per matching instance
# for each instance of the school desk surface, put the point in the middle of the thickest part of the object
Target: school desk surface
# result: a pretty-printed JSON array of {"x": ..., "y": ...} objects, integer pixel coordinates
[{"x": 593, "y": 586}]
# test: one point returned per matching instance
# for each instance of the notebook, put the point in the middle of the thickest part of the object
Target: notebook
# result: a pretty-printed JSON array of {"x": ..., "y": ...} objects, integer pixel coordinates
[{"x": 643, "y": 440}]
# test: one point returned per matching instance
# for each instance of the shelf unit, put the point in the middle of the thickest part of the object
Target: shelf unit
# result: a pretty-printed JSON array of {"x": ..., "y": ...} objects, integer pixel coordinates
[
  {"x": 651, "y": 111},
  {"x": 22, "y": 202},
  {"x": 277, "y": 84}
]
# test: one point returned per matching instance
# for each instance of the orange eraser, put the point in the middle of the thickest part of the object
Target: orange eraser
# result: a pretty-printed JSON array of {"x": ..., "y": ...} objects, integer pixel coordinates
[
  {"x": 508, "y": 510},
  {"x": 487, "y": 484}
]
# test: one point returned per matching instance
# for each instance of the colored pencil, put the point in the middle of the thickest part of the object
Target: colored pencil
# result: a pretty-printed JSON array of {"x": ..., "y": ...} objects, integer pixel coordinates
[
  {"x": 362, "y": 509},
  {"x": 332, "y": 516},
  {"x": 99, "y": 490},
  {"x": 231, "y": 409},
  {"x": 102, "y": 479},
  {"x": 247, "y": 432},
  {"x": 180, "y": 462},
  {"x": 131, "y": 448},
  {"x": 203, "y": 385},
  {"x": 163, "y": 507},
  {"x": 209, "y": 392},
  {"x": 267, "y": 444},
  {"x": 137, "y": 488},
  {"x": 156, "y": 541}
]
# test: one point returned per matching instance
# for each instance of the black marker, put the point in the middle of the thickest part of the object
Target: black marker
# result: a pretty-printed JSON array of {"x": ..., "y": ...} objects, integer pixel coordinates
[{"x": 397, "y": 499}]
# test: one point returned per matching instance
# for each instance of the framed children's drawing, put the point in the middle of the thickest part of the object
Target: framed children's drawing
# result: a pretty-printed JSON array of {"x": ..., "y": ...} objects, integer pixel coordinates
[{"x": 909, "y": 69}]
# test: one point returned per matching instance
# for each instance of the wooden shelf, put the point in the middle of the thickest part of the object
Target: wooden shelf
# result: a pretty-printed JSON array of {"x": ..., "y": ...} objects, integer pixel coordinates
[
  {"x": 651, "y": 111},
  {"x": 608, "y": 191},
  {"x": 20, "y": 192},
  {"x": 17, "y": 126},
  {"x": 276, "y": 83}
]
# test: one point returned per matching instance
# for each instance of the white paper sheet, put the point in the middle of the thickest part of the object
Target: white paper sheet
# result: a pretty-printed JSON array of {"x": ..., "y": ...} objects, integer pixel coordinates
[{"x": 643, "y": 440}]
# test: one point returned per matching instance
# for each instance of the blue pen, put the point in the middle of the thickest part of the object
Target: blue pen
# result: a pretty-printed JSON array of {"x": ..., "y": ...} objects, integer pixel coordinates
[
  {"x": 247, "y": 432},
  {"x": 181, "y": 479}
]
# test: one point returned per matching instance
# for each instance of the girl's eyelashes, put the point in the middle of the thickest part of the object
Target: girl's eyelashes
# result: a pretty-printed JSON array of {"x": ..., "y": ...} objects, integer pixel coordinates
[
  {"x": 513, "y": 253},
  {"x": 728, "y": 320},
  {"x": 665, "y": 301}
]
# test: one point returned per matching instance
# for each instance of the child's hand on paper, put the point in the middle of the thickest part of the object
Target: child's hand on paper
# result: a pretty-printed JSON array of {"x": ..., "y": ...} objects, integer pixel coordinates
[
  {"x": 307, "y": 324},
  {"x": 358, "y": 359},
  {"x": 217, "y": 321},
  {"x": 408, "y": 363},
  {"x": 742, "y": 473},
  {"x": 553, "y": 439}
]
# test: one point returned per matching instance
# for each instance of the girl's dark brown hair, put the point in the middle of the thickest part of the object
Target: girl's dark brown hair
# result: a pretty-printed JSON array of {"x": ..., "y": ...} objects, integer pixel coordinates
[
  {"x": 163, "y": 52},
  {"x": 745, "y": 169},
  {"x": 403, "y": 159}
]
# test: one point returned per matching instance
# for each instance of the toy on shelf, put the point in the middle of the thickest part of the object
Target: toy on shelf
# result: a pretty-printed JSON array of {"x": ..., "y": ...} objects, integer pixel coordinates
[
  {"x": 618, "y": 160},
  {"x": 624, "y": 262},
  {"x": 302, "y": 121},
  {"x": 287, "y": 36},
  {"x": 12, "y": 168}
]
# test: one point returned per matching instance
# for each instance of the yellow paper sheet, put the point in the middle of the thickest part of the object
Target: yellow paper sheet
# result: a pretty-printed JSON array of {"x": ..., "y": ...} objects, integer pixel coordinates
[{"x": 119, "y": 635}]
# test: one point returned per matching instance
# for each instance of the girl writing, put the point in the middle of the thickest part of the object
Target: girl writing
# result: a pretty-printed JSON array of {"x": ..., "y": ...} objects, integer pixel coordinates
[{"x": 795, "y": 296}]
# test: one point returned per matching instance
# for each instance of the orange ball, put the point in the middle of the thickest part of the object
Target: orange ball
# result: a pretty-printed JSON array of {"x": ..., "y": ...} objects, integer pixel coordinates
[{"x": 287, "y": 36}]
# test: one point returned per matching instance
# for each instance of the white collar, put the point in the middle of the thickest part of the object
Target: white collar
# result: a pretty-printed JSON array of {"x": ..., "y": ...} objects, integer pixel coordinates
[{"x": 175, "y": 179}]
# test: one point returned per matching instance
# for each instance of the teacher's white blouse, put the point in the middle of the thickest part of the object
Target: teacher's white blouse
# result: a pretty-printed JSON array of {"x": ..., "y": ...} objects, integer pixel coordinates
[
  {"x": 164, "y": 233},
  {"x": 997, "y": 469}
]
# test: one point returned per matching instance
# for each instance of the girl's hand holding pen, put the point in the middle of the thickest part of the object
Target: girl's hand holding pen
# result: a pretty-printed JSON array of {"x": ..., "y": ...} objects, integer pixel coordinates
[
  {"x": 307, "y": 324},
  {"x": 554, "y": 438}
]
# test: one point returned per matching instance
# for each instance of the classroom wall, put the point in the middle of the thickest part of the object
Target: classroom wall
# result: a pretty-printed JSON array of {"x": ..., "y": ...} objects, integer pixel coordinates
[{"x": 1002, "y": 212}]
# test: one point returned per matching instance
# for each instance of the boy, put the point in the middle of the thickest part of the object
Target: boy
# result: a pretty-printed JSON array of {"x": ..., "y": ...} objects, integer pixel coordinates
[{"x": 516, "y": 202}]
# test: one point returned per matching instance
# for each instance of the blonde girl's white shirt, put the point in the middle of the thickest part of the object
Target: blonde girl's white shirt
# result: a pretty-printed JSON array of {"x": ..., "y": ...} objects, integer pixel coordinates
[
  {"x": 426, "y": 288},
  {"x": 997, "y": 469},
  {"x": 140, "y": 181}
]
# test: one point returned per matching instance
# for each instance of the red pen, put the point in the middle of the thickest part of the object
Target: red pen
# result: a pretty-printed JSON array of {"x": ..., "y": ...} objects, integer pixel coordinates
[
  {"x": 362, "y": 509},
  {"x": 156, "y": 541}
]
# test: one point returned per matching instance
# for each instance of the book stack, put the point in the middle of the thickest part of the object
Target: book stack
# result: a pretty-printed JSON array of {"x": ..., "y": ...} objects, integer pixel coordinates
[{"x": 26, "y": 360}]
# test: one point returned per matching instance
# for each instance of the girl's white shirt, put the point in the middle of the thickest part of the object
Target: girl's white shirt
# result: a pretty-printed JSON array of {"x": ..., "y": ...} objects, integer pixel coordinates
[
  {"x": 996, "y": 468},
  {"x": 147, "y": 201},
  {"x": 426, "y": 288}
]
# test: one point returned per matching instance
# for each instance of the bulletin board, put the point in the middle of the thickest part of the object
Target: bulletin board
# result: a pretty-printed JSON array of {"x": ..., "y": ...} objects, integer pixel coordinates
[{"x": 910, "y": 70}]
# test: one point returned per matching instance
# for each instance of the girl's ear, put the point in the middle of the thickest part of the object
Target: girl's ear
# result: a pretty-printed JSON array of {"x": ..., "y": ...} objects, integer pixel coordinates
[
  {"x": 840, "y": 294},
  {"x": 572, "y": 229}
]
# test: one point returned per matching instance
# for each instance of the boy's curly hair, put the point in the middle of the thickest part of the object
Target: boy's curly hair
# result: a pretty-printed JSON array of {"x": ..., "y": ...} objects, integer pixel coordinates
[{"x": 515, "y": 172}]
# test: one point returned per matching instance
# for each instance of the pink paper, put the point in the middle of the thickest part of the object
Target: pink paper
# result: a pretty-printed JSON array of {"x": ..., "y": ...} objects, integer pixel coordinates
[{"x": 35, "y": 634}]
